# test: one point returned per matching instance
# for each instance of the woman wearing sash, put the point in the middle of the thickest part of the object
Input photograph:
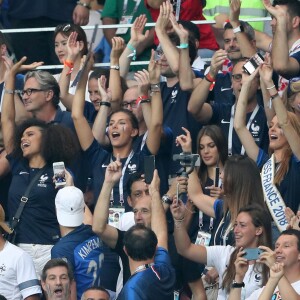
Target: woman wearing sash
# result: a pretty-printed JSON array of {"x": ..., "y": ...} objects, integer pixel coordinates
[{"x": 281, "y": 172}]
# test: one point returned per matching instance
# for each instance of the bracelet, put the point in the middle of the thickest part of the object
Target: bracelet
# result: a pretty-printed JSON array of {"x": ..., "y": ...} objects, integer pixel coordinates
[
  {"x": 69, "y": 64},
  {"x": 155, "y": 87},
  {"x": 105, "y": 103},
  {"x": 10, "y": 92},
  {"x": 145, "y": 101},
  {"x": 271, "y": 87},
  {"x": 115, "y": 67},
  {"x": 140, "y": 98},
  {"x": 133, "y": 54},
  {"x": 209, "y": 78},
  {"x": 183, "y": 46},
  {"x": 86, "y": 5},
  {"x": 271, "y": 99},
  {"x": 178, "y": 222}
]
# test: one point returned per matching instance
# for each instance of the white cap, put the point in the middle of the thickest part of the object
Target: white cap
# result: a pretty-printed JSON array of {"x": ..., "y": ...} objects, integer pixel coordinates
[{"x": 69, "y": 203}]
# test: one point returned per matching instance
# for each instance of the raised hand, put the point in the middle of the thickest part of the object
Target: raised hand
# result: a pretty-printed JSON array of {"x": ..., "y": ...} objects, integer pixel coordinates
[
  {"x": 73, "y": 46},
  {"x": 267, "y": 257},
  {"x": 177, "y": 210},
  {"x": 277, "y": 271},
  {"x": 179, "y": 29},
  {"x": 154, "y": 69},
  {"x": 215, "y": 191},
  {"x": 294, "y": 220},
  {"x": 185, "y": 141},
  {"x": 234, "y": 14},
  {"x": 217, "y": 61},
  {"x": 163, "y": 21},
  {"x": 137, "y": 31},
  {"x": 114, "y": 171},
  {"x": 118, "y": 45},
  {"x": 155, "y": 183},
  {"x": 105, "y": 94},
  {"x": 142, "y": 78},
  {"x": 19, "y": 67}
]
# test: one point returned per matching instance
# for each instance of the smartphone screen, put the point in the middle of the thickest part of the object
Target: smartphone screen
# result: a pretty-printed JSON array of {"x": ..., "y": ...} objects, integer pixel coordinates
[
  {"x": 149, "y": 167},
  {"x": 59, "y": 173},
  {"x": 253, "y": 63}
]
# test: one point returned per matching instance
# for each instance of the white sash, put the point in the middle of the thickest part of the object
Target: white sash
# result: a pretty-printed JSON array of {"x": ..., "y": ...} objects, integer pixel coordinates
[{"x": 272, "y": 196}]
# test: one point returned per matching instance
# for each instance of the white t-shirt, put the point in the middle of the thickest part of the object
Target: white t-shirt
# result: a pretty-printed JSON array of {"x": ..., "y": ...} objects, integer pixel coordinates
[
  {"x": 18, "y": 279},
  {"x": 218, "y": 257},
  {"x": 276, "y": 295}
]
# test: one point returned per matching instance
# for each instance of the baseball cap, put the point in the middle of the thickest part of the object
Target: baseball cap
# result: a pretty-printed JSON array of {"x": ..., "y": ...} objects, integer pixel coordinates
[
  {"x": 69, "y": 203},
  {"x": 3, "y": 225}
]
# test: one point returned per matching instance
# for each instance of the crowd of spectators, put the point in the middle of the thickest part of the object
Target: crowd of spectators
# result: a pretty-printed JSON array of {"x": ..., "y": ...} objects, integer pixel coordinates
[{"x": 179, "y": 179}]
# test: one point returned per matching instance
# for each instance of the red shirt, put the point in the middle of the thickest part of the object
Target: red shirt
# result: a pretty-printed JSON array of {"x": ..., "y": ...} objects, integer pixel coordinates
[{"x": 191, "y": 10}]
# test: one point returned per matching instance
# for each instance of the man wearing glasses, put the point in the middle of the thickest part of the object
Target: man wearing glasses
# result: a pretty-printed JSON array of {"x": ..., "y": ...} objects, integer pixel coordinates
[{"x": 222, "y": 91}]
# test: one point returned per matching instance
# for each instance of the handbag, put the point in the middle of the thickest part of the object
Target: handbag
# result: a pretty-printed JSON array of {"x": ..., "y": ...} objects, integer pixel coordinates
[{"x": 11, "y": 237}]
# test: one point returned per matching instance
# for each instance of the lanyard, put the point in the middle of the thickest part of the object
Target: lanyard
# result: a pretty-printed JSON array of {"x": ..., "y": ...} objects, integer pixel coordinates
[
  {"x": 143, "y": 267},
  {"x": 211, "y": 221},
  {"x": 144, "y": 140},
  {"x": 137, "y": 3},
  {"x": 230, "y": 133},
  {"x": 121, "y": 181}
]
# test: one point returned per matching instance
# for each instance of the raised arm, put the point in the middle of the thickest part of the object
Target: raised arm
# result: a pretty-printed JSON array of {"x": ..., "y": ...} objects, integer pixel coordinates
[
  {"x": 197, "y": 107},
  {"x": 137, "y": 37},
  {"x": 283, "y": 64},
  {"x": 158, "y": 216},
  {"x": 281, "y": 111},
  {"x": 183, "y": 243},
  {"x": 8, "y": 106},
  {"x": 240, "y": 127},
  {"x": 74, "y": 47},
  {"x": 99, "y": 126},
  {"x": 108, "y": 233},
  {"x": 163, "y": 22},
  {"x": 185, "y": 74},
  {"x": 114, "y": 77},
  {"x": 203, "y": 202},
  {"x": 83, "y": 130},
  {"x": 247, "y": 47}
]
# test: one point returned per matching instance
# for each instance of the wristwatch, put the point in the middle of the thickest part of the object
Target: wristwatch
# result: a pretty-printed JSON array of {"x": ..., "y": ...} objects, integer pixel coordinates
[
  {"x": 166, "y": 199},
  {"x": 237, "y": 285},
  {"x": 238, "y": 29},
  {"x": 115, "y": 67}
]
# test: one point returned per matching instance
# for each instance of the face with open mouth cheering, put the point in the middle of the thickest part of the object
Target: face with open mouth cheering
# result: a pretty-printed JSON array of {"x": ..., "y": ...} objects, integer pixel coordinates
[
  {"x": 57, "y": 283},
  {"x": 121, "y": 131}
]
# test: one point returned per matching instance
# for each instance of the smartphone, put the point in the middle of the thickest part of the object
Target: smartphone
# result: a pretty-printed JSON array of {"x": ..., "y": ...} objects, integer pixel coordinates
[
  {"x": 252, "y": 253},
  {"x": 253, "y": 63},
  {"x": 59, "y": 173},
  {"x": 216, "y": 183},
  {"x": 149, "y": 167}
]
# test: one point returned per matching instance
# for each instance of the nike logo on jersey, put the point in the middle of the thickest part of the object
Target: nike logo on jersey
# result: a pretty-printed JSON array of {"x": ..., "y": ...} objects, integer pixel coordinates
[
  {"x": 224, "y": 122},
  {"x": 225, "y": 89},
  {"x": 23, "y": 173},
  {"x": 104, "y": 166}
]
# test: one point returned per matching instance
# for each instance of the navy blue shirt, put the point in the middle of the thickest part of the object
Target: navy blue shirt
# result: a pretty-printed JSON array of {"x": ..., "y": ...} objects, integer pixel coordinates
[
  {"x": 93, "y": 262},
  {"x": 163, "y": 158},
  {"x": 38, "y": 224},
  {"x": 176, "y": 115},
  {"x": 98, "y": 159},
  {"x": 258, "y": 128},
  {"x": 156, "y": 282}
]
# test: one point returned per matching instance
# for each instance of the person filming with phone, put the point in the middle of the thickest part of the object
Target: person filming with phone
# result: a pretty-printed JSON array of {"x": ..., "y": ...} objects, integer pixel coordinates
[{"x": 252, "y": 229}]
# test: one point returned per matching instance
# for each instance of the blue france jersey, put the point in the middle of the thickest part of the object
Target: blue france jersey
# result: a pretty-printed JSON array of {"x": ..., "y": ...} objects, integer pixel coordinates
[{"x": 93, "y": 262}]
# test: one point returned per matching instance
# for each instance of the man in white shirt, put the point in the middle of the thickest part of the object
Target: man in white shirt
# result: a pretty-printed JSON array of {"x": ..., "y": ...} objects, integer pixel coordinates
[{"x": 18, "y": 279}]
